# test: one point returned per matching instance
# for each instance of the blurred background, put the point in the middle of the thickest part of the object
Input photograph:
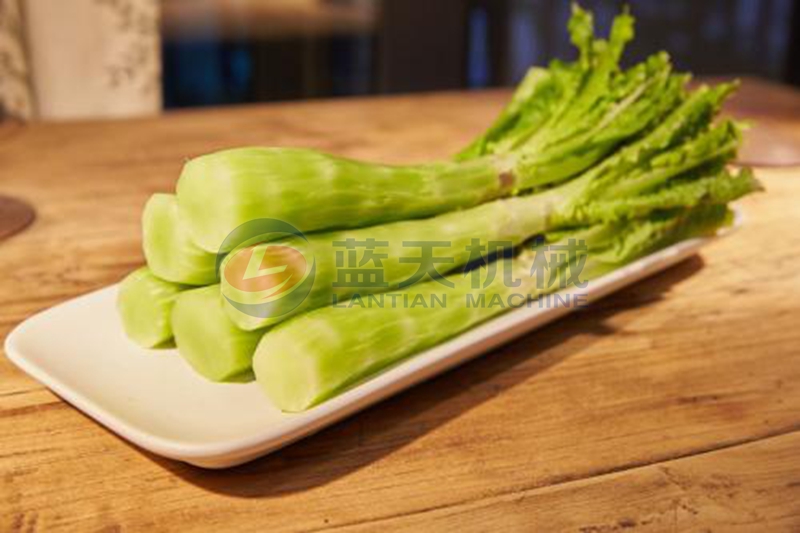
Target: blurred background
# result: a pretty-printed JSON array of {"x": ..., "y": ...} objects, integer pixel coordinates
[{"x": 64, "y": 59}]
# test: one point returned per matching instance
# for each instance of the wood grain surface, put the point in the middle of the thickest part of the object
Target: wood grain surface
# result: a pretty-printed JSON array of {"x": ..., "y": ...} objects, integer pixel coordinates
[{"x": 671, "y": 406}]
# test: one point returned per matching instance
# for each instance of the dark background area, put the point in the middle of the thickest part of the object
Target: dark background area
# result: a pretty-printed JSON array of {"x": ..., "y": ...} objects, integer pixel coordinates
[{"x": 399, "y": 46}]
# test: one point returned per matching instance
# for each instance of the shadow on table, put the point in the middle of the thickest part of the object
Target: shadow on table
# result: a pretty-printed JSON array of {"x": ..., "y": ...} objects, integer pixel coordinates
[{"x": 398, "y": 421}]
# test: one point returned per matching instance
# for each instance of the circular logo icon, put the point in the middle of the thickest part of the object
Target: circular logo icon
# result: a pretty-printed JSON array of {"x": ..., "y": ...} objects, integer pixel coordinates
[{"x": 269, "y": 270}]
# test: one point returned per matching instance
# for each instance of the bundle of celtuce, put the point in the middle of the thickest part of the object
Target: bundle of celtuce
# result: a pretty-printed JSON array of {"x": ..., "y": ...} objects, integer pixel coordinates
[
  {"x": 320, "y": 353},
  {"x": 627, "y": 161}
]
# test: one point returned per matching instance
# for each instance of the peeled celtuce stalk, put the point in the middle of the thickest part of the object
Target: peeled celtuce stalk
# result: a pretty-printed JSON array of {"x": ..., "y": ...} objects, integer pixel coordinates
[
  {"x": 208, "y": 340},
  {"x": 311, "y": 190},
  {"x": 145, "y": 304},
  {"x": 170, "y": 252},
  {"x": 593, "y": 108}
]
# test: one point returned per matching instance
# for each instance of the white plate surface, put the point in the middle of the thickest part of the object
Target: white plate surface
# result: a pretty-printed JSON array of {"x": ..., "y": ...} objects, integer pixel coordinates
[{"x": 153, "y": 398}]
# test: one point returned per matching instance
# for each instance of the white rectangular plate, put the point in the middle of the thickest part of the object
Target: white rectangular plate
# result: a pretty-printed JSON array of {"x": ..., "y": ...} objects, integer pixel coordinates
[{"x": 154, "y": 399}]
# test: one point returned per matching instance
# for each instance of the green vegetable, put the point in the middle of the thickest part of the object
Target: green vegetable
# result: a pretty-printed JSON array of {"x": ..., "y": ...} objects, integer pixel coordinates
[
  {"x": 638, "y": 172},
  {"x": 498, "y": 220},
  {"x": 586, "y": 111},
  {"x": 705, "y": 187},
  {"x": 565, "y": 115},
  {"x": 145, "y": 302},
  {"x": 531, "y": 105},
  {"x": 321, "y": 353},
  {"x": 543, "y": 94},
  {"x": 170, "y": 252},
  {"x": 220, "y": 191},
  {"x": 636, "y": 181},
  {"x": 625, "y": 161},
  {"x": 648, "y": 93},
  {"x": 208, "y": 340}
]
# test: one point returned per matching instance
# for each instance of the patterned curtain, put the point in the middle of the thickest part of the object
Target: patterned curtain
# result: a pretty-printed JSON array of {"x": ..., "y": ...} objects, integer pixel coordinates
[
  {"x": 79, "y": 58},
  {"x": 16, "y": 96}
]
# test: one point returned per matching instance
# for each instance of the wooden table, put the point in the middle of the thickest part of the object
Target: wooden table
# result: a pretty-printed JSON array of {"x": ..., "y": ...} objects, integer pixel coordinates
[{"x": 673, "y": 405}]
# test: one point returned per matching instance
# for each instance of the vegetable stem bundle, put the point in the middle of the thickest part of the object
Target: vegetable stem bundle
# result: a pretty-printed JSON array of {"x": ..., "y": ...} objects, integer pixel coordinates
[
  {"x": 602, "y": 195},
  {"x": 622, "y": 161}
]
